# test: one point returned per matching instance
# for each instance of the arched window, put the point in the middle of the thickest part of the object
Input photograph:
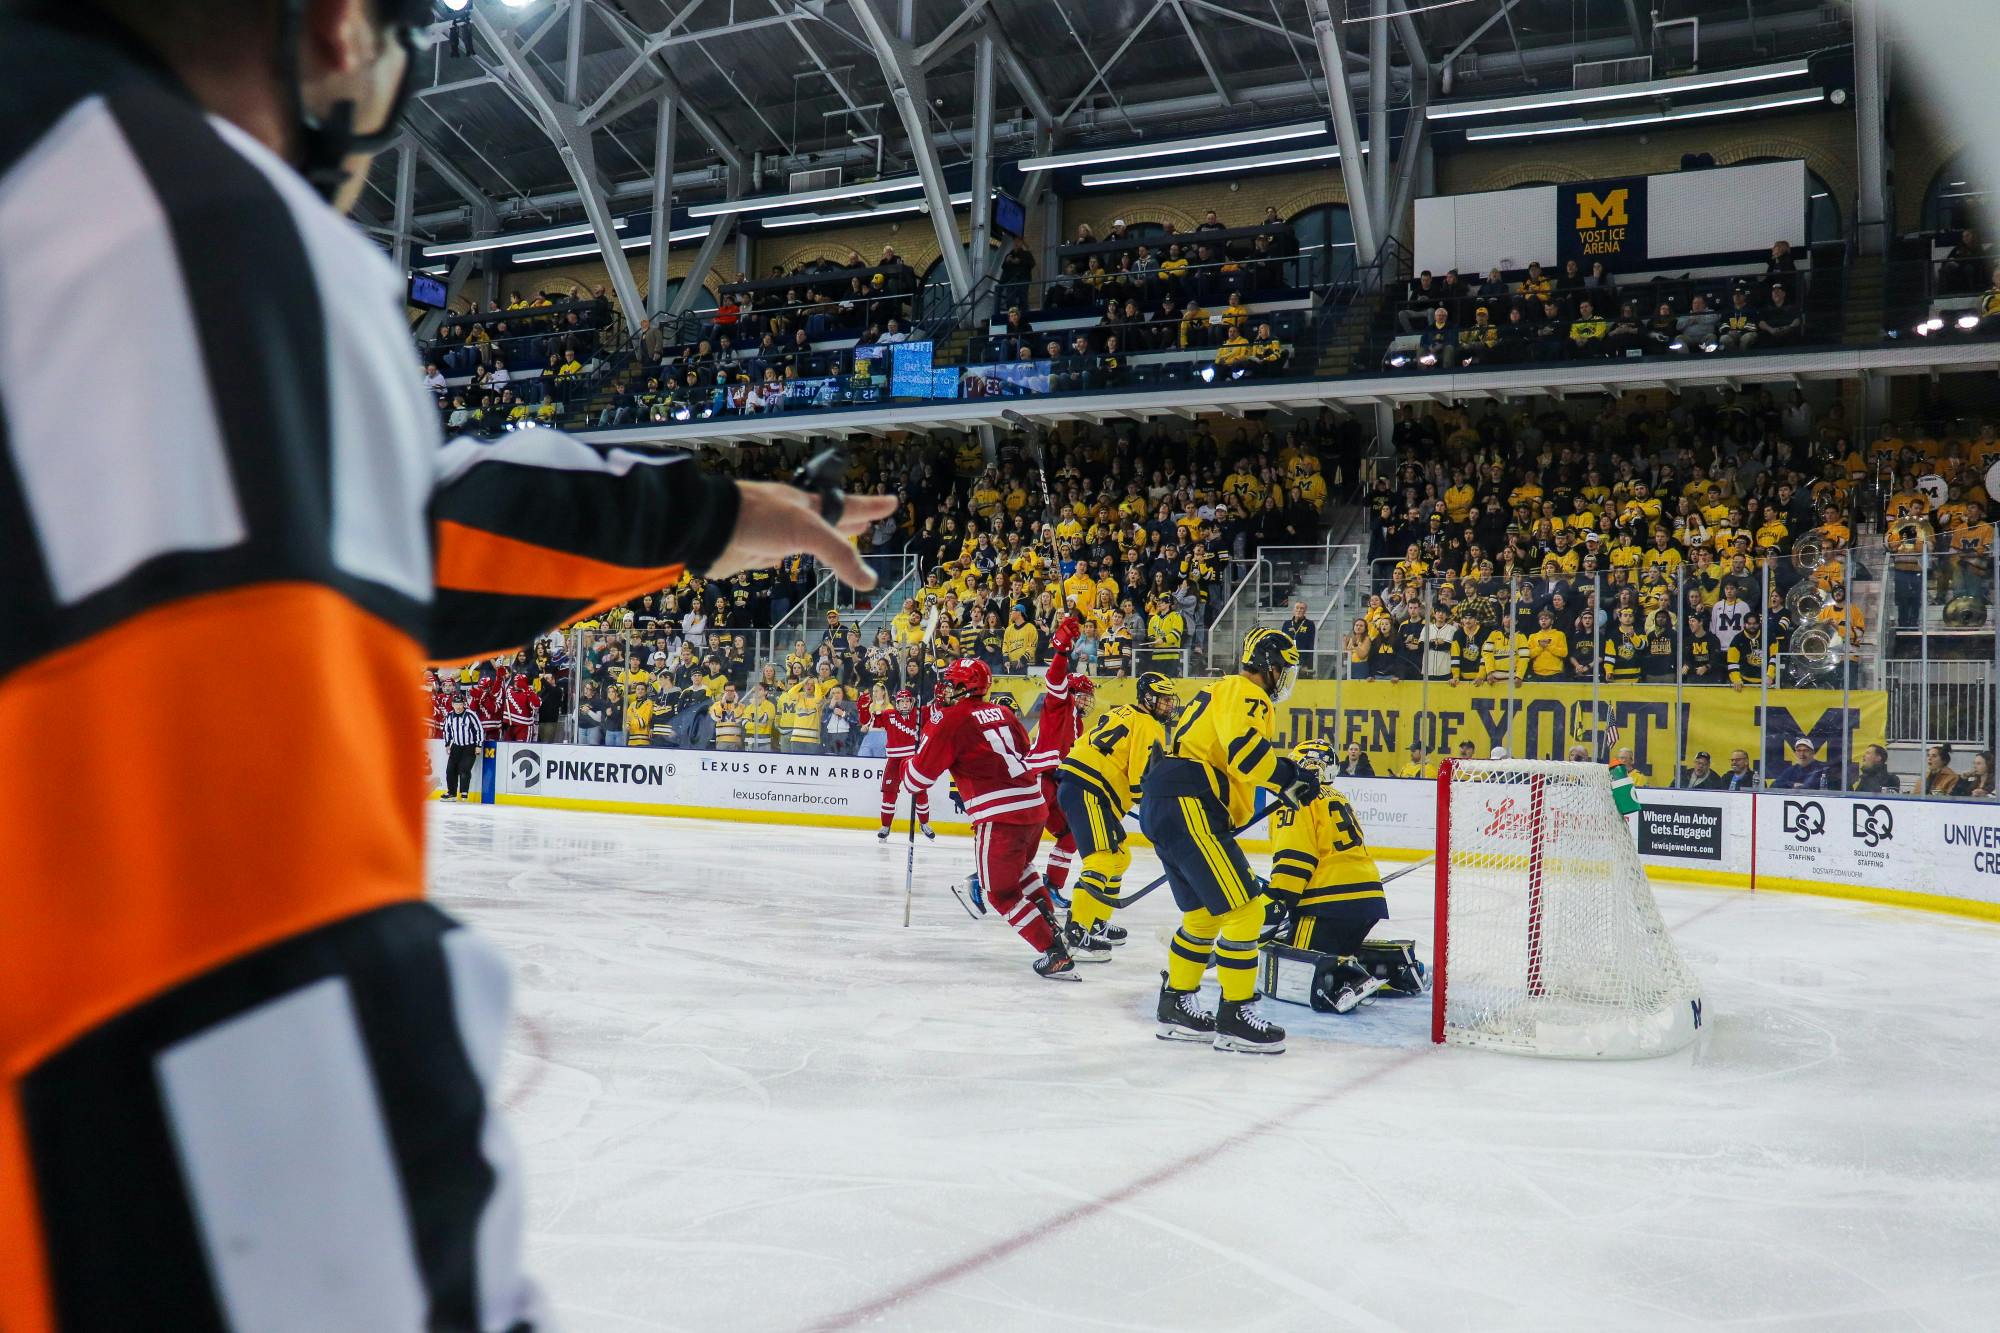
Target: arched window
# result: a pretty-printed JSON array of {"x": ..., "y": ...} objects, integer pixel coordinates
[
  {"x": 1146, "y": 231},
  {"x": 1954, "y": 193},
  {"x": 704, "y": 300},
  {"x": 1324, "y": 234}
]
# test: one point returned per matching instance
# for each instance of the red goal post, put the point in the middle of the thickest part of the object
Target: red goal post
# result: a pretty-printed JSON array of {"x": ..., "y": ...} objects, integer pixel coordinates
[{"x": 1548, "y": 939}]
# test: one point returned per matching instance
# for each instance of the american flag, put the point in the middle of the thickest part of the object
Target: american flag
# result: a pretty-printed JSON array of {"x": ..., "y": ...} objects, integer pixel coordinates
[{"x": 1610, "y": 741}]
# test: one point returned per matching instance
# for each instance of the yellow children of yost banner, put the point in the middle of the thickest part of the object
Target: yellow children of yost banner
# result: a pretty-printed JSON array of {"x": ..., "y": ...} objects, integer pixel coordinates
[{"x": 1664, "y": 732}]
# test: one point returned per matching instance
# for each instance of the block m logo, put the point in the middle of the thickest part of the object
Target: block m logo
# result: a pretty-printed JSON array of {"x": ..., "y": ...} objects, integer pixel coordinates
[{"x": 1610, "y": 211}]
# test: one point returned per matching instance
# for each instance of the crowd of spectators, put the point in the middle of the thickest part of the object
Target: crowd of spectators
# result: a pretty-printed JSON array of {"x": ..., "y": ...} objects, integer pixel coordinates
[
  {"x": 1141, "y": 543},
  {"x": 1163, "y": 292},
  {"x": 1577, "y": 314},
  {"x": 524, "y": 360},
  {"x": 1658, "y": 543}
]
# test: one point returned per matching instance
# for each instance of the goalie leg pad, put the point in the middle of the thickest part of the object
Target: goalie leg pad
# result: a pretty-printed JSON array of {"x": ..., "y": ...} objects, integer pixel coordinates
[
  {"x": 1395, "y": 962},
  {"x": 1328, "y": 983}
]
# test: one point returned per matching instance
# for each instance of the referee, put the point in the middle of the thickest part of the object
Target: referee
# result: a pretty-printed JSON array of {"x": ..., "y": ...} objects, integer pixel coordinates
[
  {"x": 259, "y": 1099},
  {"x": 462, "y": 738}
]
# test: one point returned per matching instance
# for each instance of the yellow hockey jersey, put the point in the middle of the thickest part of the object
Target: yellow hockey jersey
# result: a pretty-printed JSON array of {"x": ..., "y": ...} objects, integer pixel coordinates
[
  {"x": 1112, "y": 757},
  {"x": 1228, "y": 728},
  {"x": 1318, "y": 855}
]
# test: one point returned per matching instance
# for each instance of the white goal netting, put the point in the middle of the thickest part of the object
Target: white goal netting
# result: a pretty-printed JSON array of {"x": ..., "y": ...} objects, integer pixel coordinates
[{"x": 1549, "y": 942}]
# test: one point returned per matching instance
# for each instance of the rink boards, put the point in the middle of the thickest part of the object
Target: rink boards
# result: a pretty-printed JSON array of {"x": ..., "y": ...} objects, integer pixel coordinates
[{"x": 1904, "y": 851}]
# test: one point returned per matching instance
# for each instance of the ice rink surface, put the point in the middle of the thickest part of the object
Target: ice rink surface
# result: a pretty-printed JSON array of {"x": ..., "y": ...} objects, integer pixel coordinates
[{"x": 749, "y": 1099}]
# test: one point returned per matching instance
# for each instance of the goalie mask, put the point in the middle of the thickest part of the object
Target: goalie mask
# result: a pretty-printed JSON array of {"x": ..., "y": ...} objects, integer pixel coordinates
[{"x": 1315, "y": 756}]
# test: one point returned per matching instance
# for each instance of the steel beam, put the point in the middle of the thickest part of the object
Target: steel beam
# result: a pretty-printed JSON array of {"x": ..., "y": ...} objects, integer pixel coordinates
[
  {"x": 1023, "y": 79},
  {"x": 1871, "y": 209},
  {"x": 906, "y": 91},
  {"x": 1353, "y": 168},
  {"x": 573, "y": 54},
  {"x": 982, "y": 155},
  {"x": 1201, "y": 54},
  {"x": 711, "y": 247},
  {"x": 633, "y": 39},
  {"x": 663, "y": 208},
  {"x": 573, "y": 142},
  {"x": 1495, "y": 17},
  {"x": 406, "y": 199},
  {"x": 1277, "y": 29},
  {"x": 1104, "y": 70},
  {"x": 928, "y": 52},
  {"x": 1413, "y": 42},
  {"x": 1410, "y": 169},
  {"x": 1378, "y": 114}
]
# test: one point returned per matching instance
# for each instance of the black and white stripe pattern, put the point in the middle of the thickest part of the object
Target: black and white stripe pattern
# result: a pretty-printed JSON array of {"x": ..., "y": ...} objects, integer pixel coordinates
[{"x": 462, "y": 729}]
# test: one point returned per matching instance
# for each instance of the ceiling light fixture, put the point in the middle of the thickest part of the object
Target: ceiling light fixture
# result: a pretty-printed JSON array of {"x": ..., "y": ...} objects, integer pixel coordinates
[
  {"x": 1685, "y": 83},
  {"x": 1258, "y": 162},
  {"x": 854, "y": 214},
  {"x": 628, "y": 243},
  {"x": 804, "y": 197},
  {"x": 1133, "y": 152},
  {"x": 513, "y": 239},
  {"x": 1646, "y": 118}
]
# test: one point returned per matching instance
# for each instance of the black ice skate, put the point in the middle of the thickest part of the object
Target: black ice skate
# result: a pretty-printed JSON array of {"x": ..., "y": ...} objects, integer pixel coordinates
[
  {"x": 1110, "y": 934},
  {"x": 1179, "y": 1019},
  {"x": 1238, "y": 1027},
  {"x": 882, "y": 835},
  {"x": 926, "y": 830},
  {"x": 1084, "y": 946},
  {"x": 1056, "y": 964}
]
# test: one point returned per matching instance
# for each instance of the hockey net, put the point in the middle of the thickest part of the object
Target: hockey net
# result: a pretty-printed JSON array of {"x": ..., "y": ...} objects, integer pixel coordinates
[{"x": 1548, "y": 938}]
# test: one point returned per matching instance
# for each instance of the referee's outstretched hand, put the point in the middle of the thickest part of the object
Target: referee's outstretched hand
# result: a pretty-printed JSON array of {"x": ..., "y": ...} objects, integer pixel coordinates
[{"x": 777, "y": 520}]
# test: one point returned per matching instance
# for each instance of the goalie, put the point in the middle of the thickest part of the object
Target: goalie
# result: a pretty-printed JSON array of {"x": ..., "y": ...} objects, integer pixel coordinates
[{"x": 1326, "y": 895}]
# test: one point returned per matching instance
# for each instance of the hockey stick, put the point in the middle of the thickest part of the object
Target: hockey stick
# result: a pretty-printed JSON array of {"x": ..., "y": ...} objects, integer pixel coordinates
[
  {"x": 1414, "y": 865},
  {"x": 910, "y": 862},
  {"x": 1127, "y": 899},
  {"x": 1034, "y": 432},
  {"x": 910, "y": 865}
]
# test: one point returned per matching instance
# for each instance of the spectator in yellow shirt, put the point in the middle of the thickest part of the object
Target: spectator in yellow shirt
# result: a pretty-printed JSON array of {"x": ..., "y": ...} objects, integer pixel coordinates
[
  {"x": 1021, "y": 643},
  {"x": 1548, "y": 649}
]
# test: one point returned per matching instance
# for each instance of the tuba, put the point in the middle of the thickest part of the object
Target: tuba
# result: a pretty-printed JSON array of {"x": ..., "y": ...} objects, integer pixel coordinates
[
  {"x": 1815, "y": 653},
  {"x": 1805, "y": 601},
  {"x": 1809, "y": 551},
  {"x": 1911, "y": 535}
]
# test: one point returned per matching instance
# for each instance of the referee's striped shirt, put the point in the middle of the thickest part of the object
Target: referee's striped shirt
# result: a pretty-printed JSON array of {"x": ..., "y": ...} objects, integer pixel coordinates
[
  {"x": 212, "y": 436},
  {"x": 463, "y": 729}
]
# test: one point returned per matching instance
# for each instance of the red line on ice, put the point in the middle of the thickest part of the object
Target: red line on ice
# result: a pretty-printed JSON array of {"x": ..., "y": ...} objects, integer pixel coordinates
[{"x": 927, "y": 1282}]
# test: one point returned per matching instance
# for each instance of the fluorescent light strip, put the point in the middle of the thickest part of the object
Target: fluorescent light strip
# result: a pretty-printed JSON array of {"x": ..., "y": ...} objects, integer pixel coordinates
[
  {"x": 1686, "y": 83},
  {"x": 1650, "y": 118},
  {"x": 854, "y": 215},
  {"x": 628, "y": 243},
  {"x": 513, "y": 239},
  {"x": 803, "y": 197},
  {"x": 1255, "y": 163},
  {"x": 1133, "y": 152}
]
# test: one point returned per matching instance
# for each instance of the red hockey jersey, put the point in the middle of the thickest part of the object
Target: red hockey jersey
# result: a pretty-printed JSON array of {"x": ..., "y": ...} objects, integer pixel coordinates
[
  {"x": 901, "y": 732},
  {"x": 985, "y": 748},
  {"x": 1058, "y": 728}
]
